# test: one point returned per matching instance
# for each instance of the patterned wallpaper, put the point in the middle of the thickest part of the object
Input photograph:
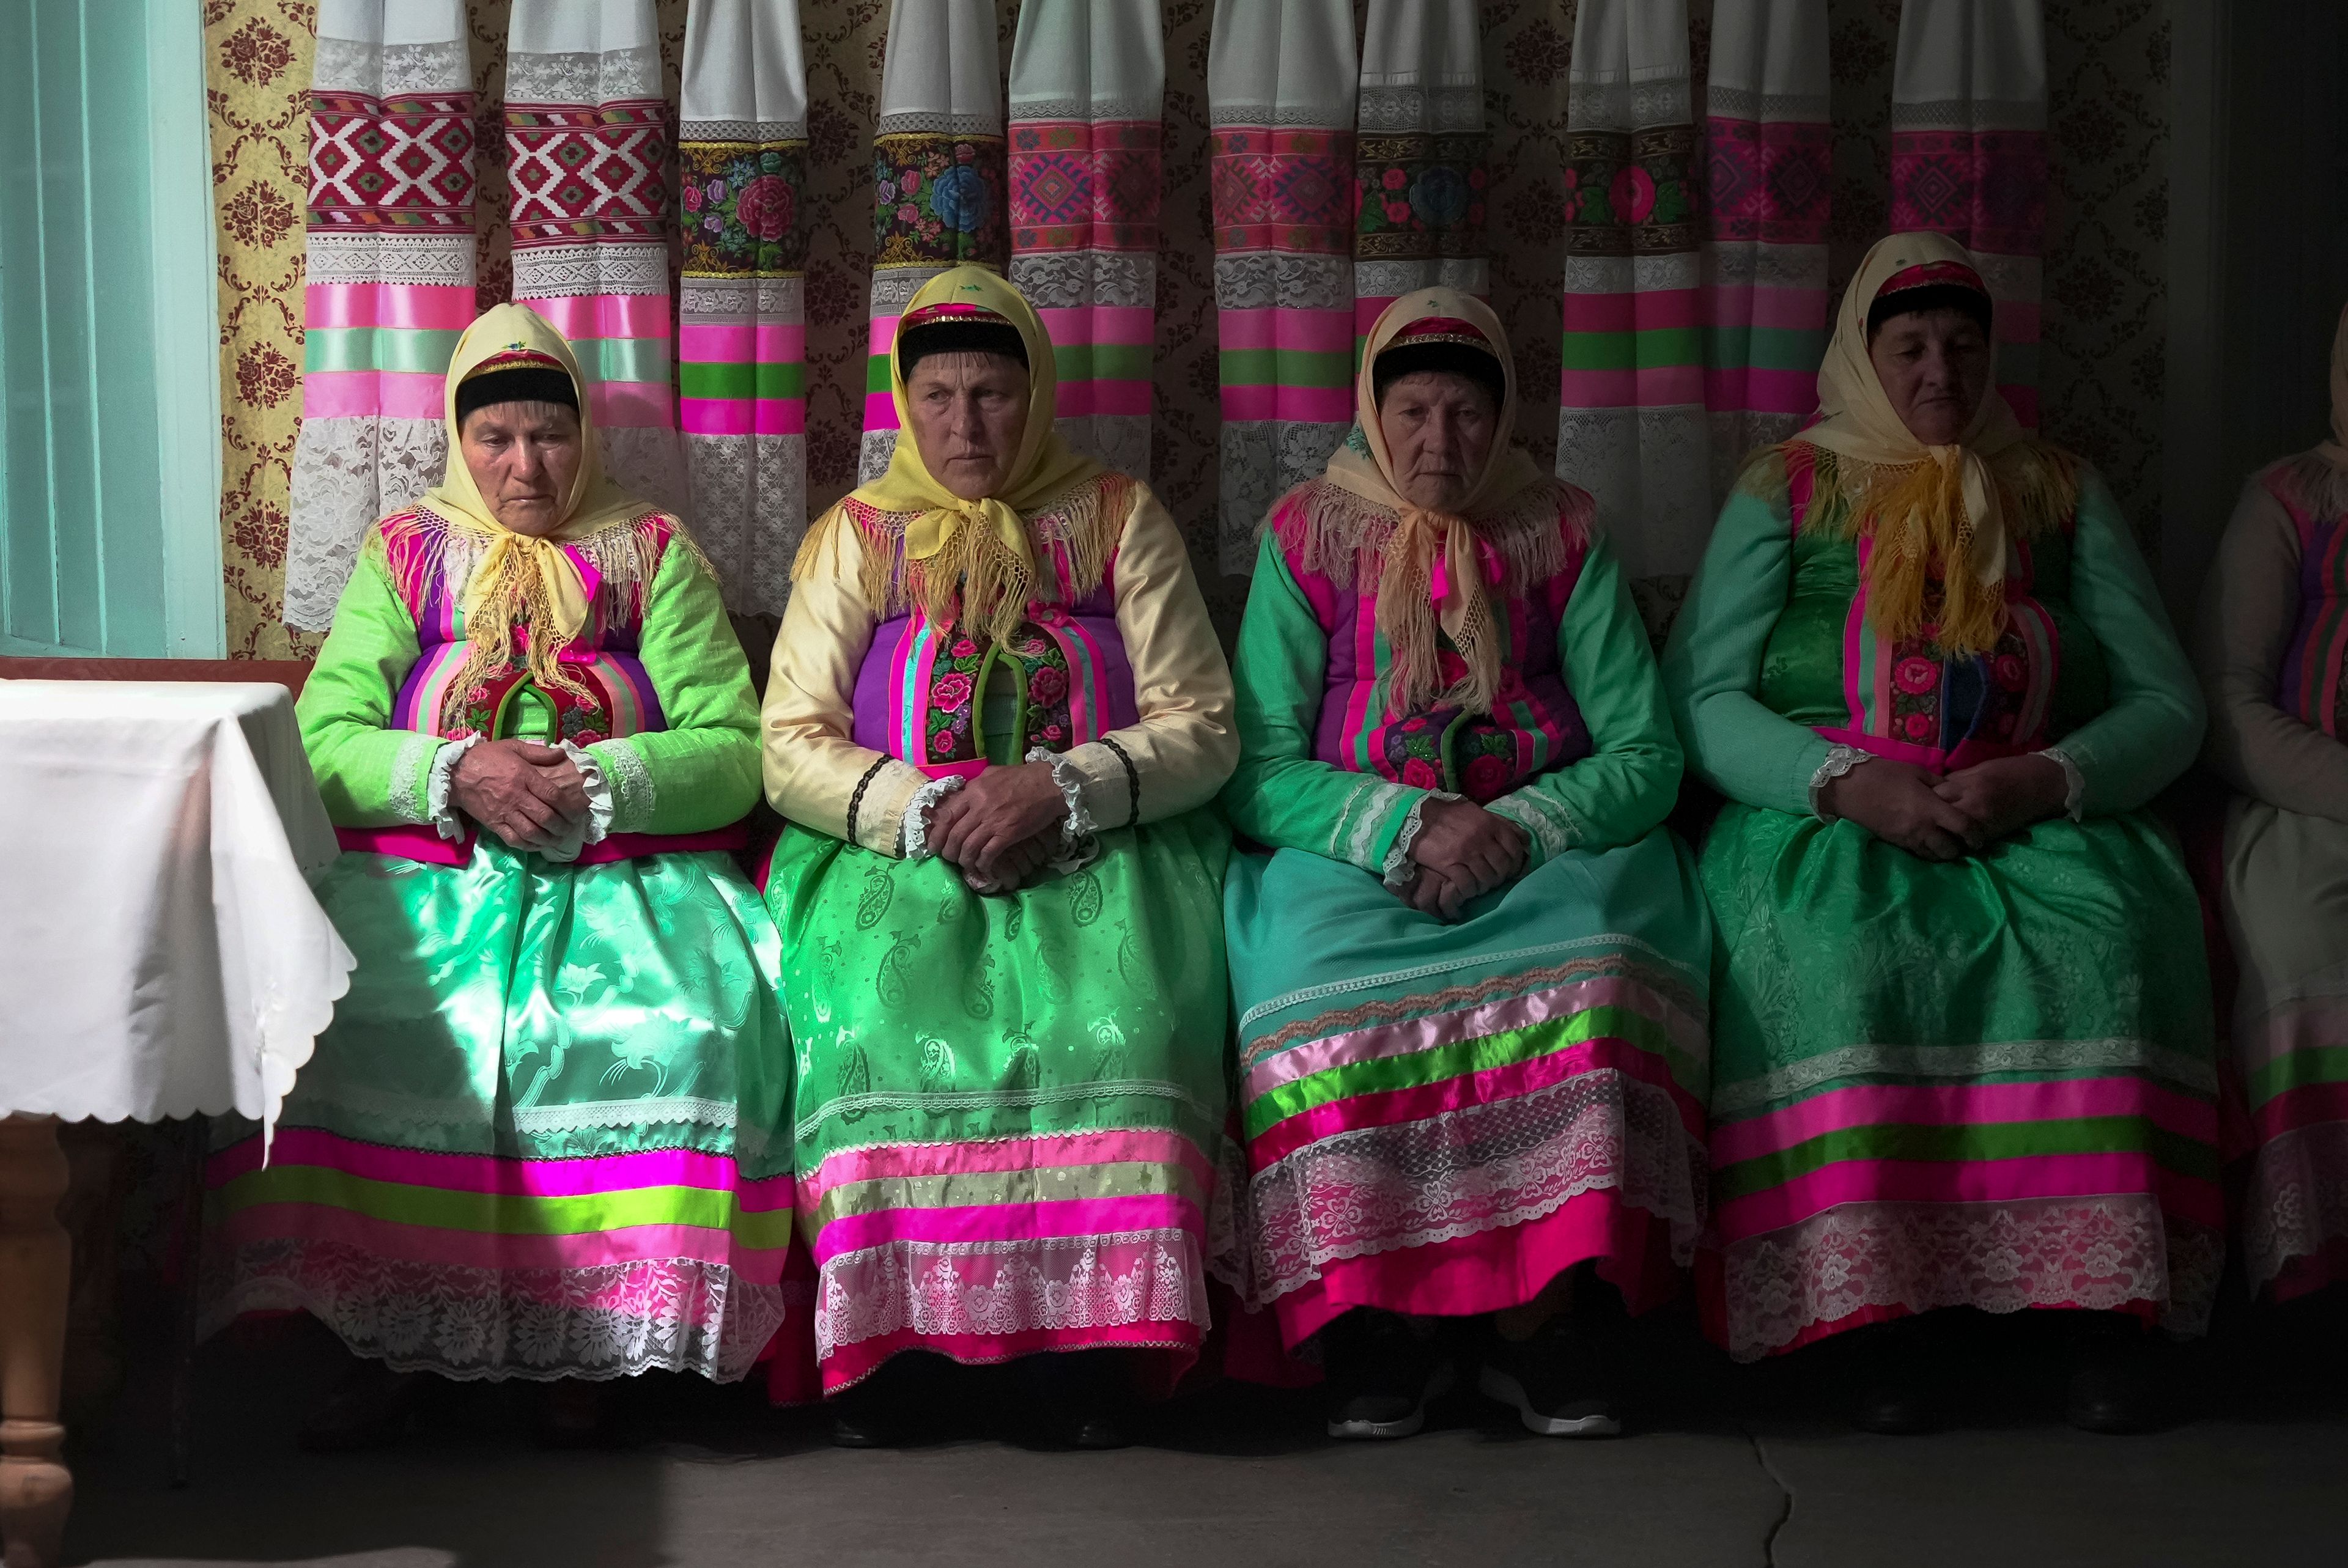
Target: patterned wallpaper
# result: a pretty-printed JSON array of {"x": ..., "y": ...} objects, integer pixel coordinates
[{"x": 2104, "y": 290}]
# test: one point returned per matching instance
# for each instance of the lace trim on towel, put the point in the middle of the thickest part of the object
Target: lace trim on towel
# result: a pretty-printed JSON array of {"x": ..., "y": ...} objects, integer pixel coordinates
[
  {"x": 999, "y": 1288},
  {"x": 1464, "y": 1172},
  {"x": 2074, "y": 782},
  {"x": 2099, "y": 1254},
  {"x": 1839, "y": 760},
  {"x": 610, "y": 1320},
  {"x": 1399, "y": 870}
]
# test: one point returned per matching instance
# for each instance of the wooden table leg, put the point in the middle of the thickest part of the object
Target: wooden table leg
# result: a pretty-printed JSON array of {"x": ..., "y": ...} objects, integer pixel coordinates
[{"x": 36, "y": 1271}]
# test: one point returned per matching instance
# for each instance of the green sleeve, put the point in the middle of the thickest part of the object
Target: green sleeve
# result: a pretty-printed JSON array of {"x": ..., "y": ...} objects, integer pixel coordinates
[
  {"x": 1712, "y": 666},
  {"x": 369, "y": 775},
  {"x": 2134, "y": 748},
  {"x": 702, "y": 771},
  {"x": 1628, "y": 782},
  {"x": 1281, "y": 795}
]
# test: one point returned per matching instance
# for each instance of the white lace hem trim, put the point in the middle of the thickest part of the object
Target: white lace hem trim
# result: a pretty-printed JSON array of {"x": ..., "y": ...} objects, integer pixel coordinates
[{"x": 1077, "y": 845}]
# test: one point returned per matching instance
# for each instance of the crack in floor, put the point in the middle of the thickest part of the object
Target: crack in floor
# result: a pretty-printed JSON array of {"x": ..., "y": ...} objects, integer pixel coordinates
[{"x": 1785, "y": 1495}]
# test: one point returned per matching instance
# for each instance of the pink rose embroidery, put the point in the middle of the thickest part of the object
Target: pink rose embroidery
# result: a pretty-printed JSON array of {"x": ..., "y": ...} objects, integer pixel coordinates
[
  {"x": 941, "y": 744},
  {"x": 911, "y": 181},
  {"x": 764, "y": 207},
  {"x": 1633, "y": 192},
  {"x": 1420, "y": 774},
  {"x": 1919, "y": 726},
  {"x": 1398, "y": 212},
  {"x": 1489, "y": 777},
  {"x": 949, "y": 693},
  {"x": 965, "y": 649},
  {"x": 906, "y": 214},
  {"x": 692, "y": 199},
  {"x": 1047, "y": 687},
  {"x": 965, "y": 153},
  {"x": 1395, "y": 180},
  {"x": 588, "y": 737},
  {"x": 2010, "y": 672},
  {"x": 1053, "y": 732},
  {"x": 1916, "y": 675}
]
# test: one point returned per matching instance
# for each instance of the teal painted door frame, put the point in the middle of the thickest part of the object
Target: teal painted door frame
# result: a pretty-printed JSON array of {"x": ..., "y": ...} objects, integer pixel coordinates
[{"x": 109, "y": 333}]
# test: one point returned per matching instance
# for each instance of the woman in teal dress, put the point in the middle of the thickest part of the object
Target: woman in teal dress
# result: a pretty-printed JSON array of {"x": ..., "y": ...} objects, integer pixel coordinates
[
  {"x": 997, "y": 710},
  {"x": 1470, "y": 974},
  {"x": 546, "y": 1136},
  {"x": 1963, "y": 1047}
]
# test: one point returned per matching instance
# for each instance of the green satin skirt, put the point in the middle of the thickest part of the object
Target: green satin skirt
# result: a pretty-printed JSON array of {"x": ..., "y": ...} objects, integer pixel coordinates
[
  {"x": 545, "y": 1135},
  {"x": 1009, "y": 1108}
]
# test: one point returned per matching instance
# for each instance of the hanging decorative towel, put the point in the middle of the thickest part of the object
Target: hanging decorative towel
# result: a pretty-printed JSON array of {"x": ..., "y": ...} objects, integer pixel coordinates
[
  {"x": 586, "y": 159},
  {"x": 1969, "y": 157},
  {"x": 1769, "y": 147},
  {"x": 741, "y": 313},
  {"x": 1419, "y": 171},
  {"x": 1087, "y": 82},
  {"x": 937, "y": 169},
  {"x": 1632, "y": 423},
  {"x": 390, "y": 281},
  {"x": 1280, "y": 83}
]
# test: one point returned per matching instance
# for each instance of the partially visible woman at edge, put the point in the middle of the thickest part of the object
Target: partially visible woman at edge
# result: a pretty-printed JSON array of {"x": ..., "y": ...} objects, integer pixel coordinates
[
  {"x": 996, "y": 707},
  {"x": 2273, "y": 653},
  {"x": 1471, "y": 976},
  {"x": 546, "y": 1136},
  {"x": 1963, "y": 1049}
]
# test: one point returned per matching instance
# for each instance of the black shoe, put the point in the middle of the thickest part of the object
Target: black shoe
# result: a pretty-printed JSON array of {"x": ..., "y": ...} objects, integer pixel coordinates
[
  {"x": 1381, "y": 1372},
  {"x": 1899, "y": 1392},
  {"x": 863, "y": 1423},
  {"x": 372, "y": 1407},
  {"x": 1079, "y": 1398},
  {"x": 2117, "y": 1385},
  {"x": 1560, "y": 1380}
]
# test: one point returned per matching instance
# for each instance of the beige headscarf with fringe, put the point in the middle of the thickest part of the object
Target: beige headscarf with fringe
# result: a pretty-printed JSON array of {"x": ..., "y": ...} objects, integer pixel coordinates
[
  {"x": 1433, "y": 571},
  {"x": 972, "y": 562},
  {"x": 1937, "y": 510},
  {"x": 519, "y": 579}
]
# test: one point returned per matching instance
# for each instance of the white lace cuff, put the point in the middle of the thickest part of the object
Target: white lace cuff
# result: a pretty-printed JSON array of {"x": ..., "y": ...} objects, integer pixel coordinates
[
  {"x": 601, "y": 802},
  {"x": 1076, "y": 829},
  {"x": 1400, "y": 870},
  {"x": 2074, "y": 782},
  {"x": 914, "y": 833},
  {"x": 436, "y": 809},
  {"x": 1839, "y": 760}
]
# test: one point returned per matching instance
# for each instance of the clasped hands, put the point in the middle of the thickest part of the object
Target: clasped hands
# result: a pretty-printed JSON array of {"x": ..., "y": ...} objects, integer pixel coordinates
[
  {"x": 1947, "y": 816},
  {"x": 528, "y": 795},
  {"x": 1462, "y": 851},
  {"x": 1001, "y": 828}
]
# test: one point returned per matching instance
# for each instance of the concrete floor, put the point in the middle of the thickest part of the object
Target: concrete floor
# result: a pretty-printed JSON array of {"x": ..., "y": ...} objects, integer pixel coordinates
[{"x": 1746, "y": 1467}]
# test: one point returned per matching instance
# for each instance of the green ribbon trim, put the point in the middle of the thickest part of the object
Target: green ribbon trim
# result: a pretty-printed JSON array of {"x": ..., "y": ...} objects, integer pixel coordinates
[
  {"x": 983, "y": 1189},
  {"x": 413, "y": 349},
  {"x": 1970, "y": 1144},
  {"x": 741, "y": 383},
  {"x": 1286, "y": 367},
  {"x": 1655, "y": 347},
  {"x": 500, "y": 1214}
]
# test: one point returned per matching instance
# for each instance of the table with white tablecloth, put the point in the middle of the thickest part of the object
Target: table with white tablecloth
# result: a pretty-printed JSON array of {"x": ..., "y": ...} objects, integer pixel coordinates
[{"x": 161, "y": 956}]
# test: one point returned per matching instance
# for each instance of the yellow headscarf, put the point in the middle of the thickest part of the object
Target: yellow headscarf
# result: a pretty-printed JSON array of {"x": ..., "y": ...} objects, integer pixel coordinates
[
  {"x": 1936, "y": 510},
  {"x": 972, "y": 561},
  {"x": 1412, "y": 595},
  {"x": 521, "y": 580}
]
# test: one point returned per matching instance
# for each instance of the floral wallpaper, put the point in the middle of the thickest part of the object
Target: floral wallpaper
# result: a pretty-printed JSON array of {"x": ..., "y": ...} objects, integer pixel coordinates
[{"x": 2105, "y": 287}]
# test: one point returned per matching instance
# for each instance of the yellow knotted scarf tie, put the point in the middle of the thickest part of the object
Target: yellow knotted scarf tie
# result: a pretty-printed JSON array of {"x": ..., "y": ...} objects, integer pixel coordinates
[
  {"x": 975, "y": 553},
  {"x": 528, "y": 582}
]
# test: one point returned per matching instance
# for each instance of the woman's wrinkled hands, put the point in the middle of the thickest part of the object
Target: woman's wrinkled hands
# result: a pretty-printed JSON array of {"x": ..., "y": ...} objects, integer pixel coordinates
[
  {"x": 526, "y": 793},
  {"x": 2006, "y": 795},
  {"x": 1937, "y": 817},
  {"x": 1001, "y": 828},
  {"x": 1462, "y": 853}
]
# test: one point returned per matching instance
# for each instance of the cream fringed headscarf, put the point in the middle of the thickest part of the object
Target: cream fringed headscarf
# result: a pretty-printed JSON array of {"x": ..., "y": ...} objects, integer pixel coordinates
[
  {"x": 519, "y": 580},
  {"x": 1435, "y": 568},
  {"x": 972, "y": 562},
  {"x": 1931, "y": 511}
]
